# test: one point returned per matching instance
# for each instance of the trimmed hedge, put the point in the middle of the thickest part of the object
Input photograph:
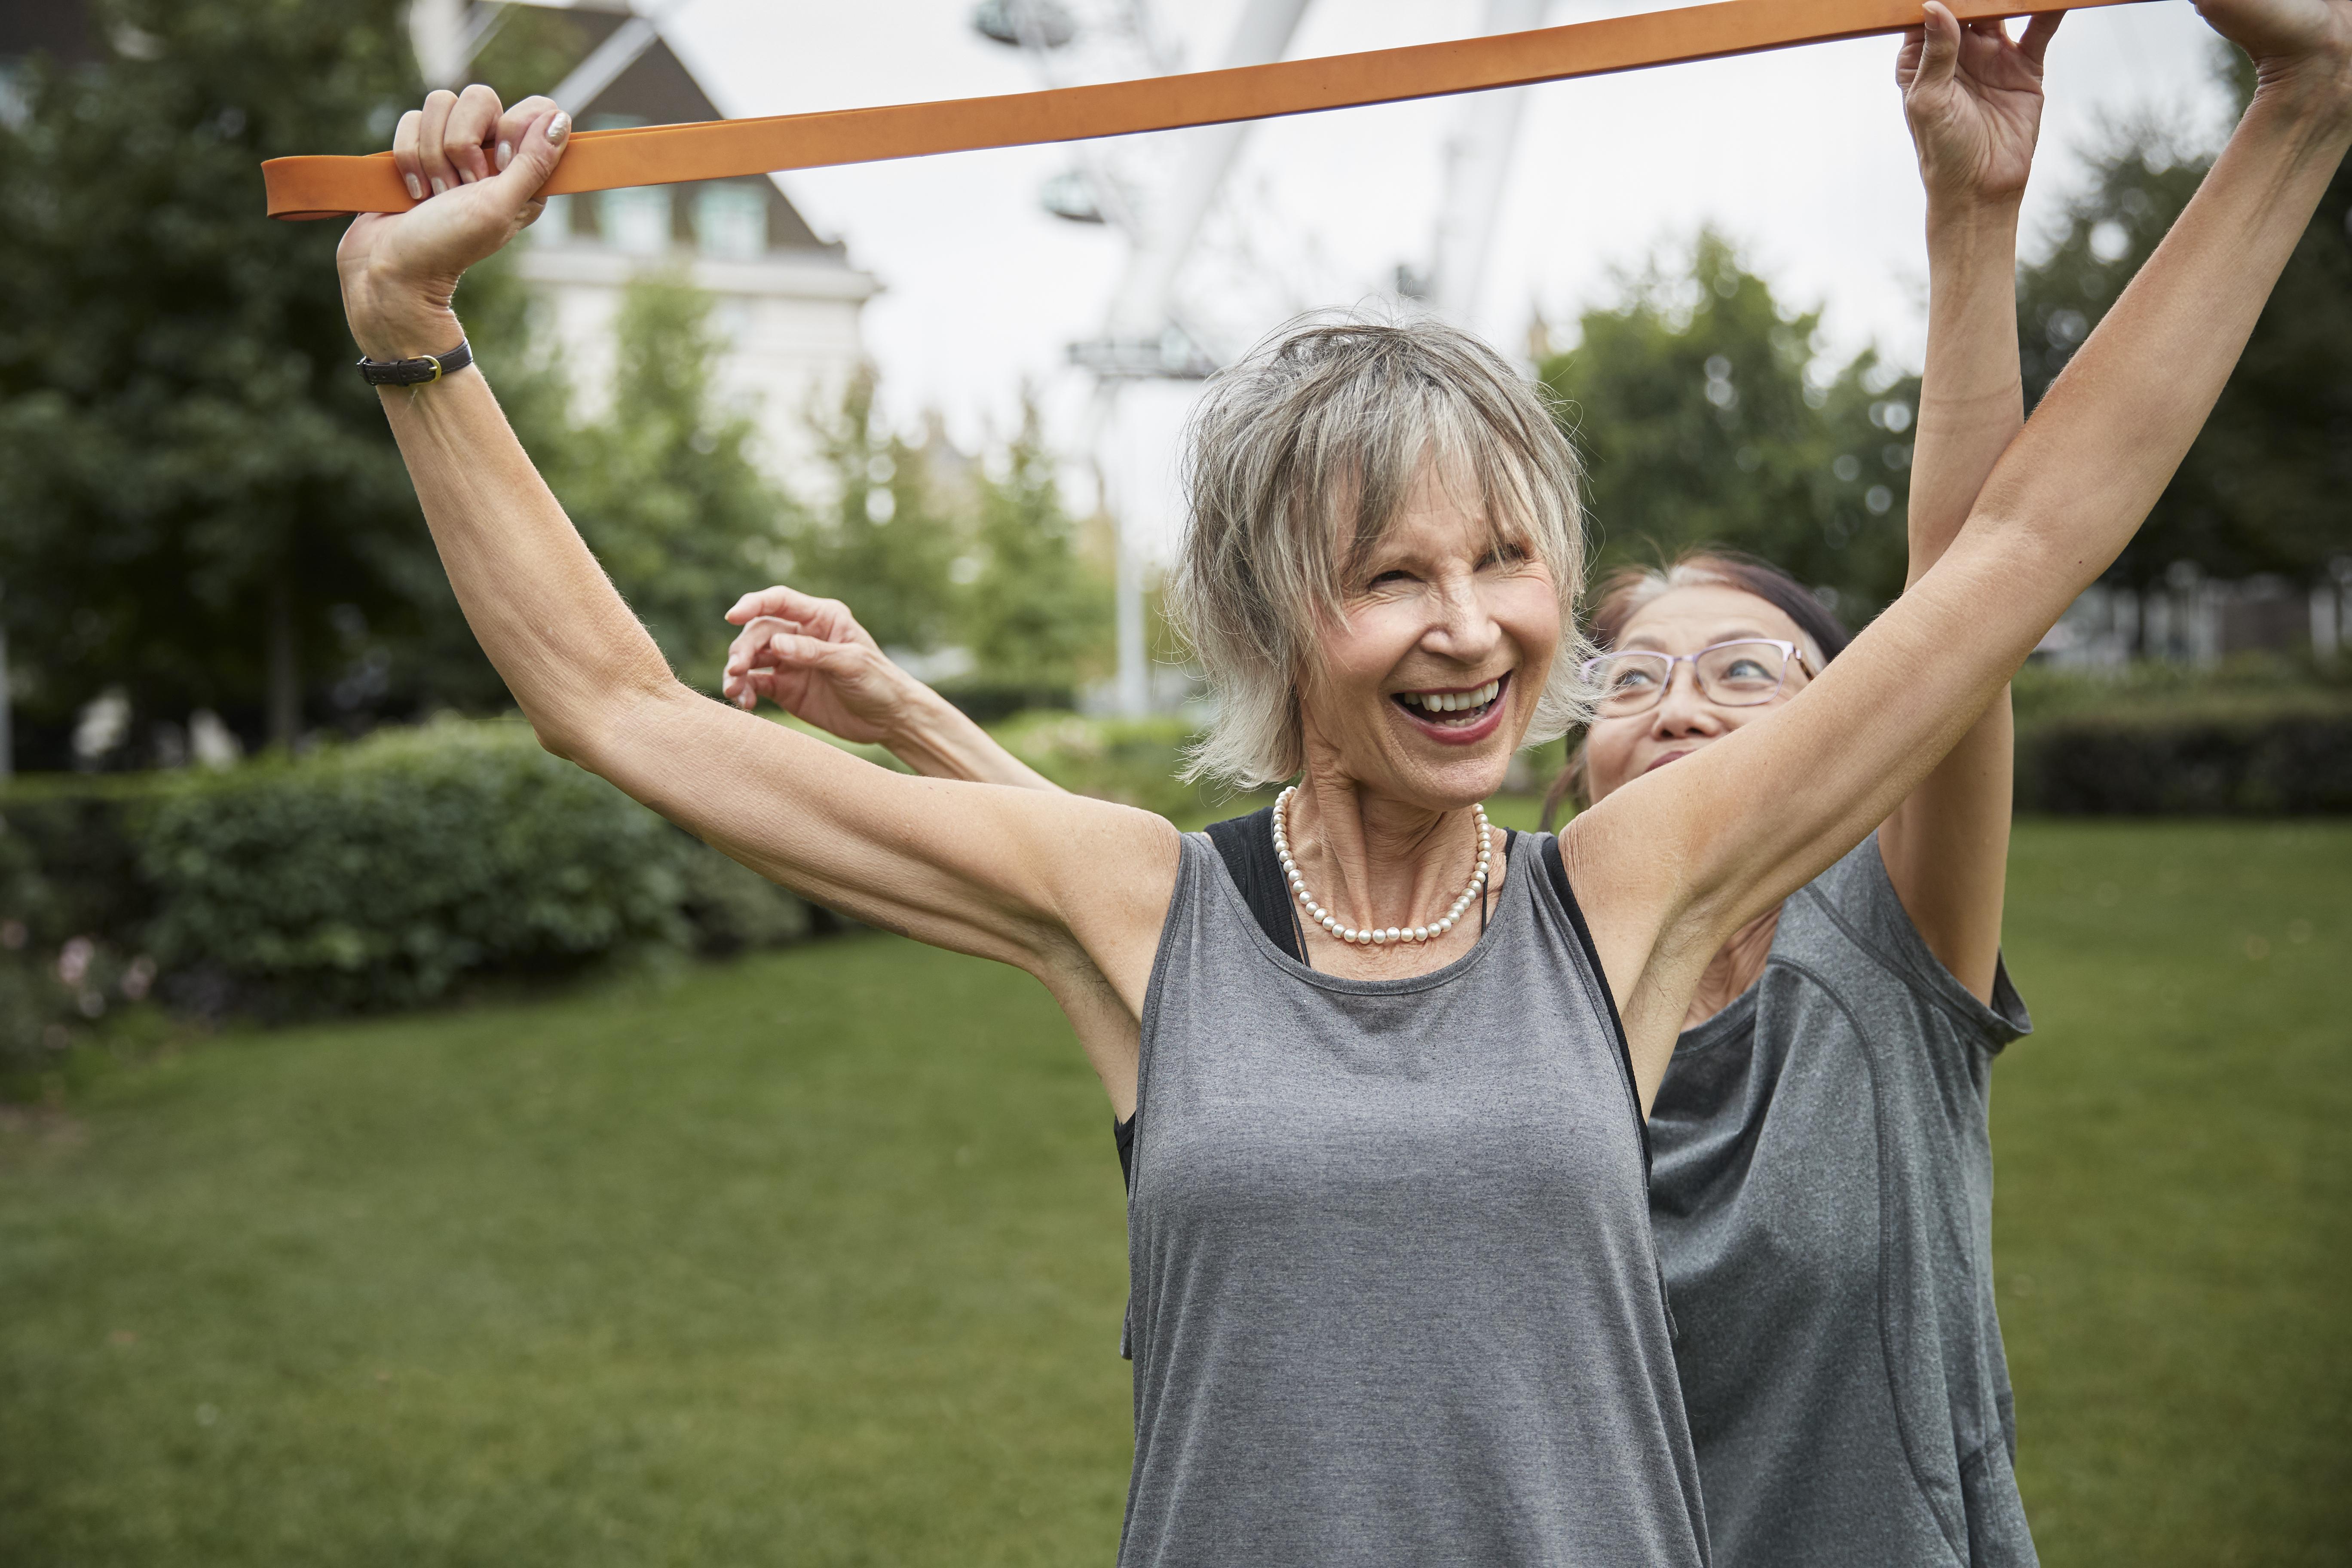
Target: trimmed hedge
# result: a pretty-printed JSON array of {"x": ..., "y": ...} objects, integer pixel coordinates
[
  {"x": 380, "y": 873},
  {"x": 2215, "y": 766},
  {"x": 376, "y": 875}
]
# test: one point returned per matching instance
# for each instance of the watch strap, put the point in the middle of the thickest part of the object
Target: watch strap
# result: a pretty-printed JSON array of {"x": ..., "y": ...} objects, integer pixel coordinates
[{"x": 416, "y": 372}]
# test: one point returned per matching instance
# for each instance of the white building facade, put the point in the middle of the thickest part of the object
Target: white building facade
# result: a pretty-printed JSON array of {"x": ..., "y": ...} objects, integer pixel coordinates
[{"x": 785, "y": 304}]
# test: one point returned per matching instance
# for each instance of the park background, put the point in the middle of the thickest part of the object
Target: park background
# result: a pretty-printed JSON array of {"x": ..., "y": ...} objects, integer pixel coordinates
[{"x": 411, "y": 1149}]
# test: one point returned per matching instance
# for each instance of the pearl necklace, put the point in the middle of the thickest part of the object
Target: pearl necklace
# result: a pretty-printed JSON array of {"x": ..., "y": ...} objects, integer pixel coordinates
[{"x": 1377, "y": 937}]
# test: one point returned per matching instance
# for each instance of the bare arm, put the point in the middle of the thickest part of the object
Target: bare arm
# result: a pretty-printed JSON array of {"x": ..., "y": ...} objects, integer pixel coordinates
[
  {"x": 810, "y": 658},
  {"x": 1001, "y": 873},
  {"x": 1675, "y": 862},
  {"x": 1974, "y": 103}
]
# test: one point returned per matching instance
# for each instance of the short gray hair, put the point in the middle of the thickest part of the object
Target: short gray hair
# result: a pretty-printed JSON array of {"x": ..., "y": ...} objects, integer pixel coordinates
[{"x": 1343, "y": 410}]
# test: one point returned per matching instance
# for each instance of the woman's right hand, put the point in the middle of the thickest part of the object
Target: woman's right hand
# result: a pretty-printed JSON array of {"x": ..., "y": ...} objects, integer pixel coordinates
[
  {"x": 475, "y": 169},
  {"x": 810, "y": 658}
]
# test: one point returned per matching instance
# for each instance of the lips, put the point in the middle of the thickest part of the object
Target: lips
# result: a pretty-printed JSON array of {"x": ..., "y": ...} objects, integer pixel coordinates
[
  {"x": 1457, "y": 717},
  {"x": 1669, "y": 757}
]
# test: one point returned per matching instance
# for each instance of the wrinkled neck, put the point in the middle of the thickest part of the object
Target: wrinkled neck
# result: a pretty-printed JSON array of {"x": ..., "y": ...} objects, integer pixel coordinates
[{"x": 1376, "y": 860}]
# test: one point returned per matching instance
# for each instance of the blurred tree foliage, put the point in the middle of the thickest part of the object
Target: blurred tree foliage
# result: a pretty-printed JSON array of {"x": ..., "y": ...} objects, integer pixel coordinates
[
  {"x": 934, "y": 550},
  {"x": 884, "y": 540},
  {"x": 1037, "y": 614},
  {"x": 1706, "y": 415},
  {"x": 198, "y": 494},
  {"x": 530, "y": 49},
  {"x": 2263, "y": 488},
  {"x": 663, "y": 484}
]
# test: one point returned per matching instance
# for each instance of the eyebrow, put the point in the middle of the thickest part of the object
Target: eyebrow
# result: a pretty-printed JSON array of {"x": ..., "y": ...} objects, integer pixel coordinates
[{"x": 1747, "y": 634}]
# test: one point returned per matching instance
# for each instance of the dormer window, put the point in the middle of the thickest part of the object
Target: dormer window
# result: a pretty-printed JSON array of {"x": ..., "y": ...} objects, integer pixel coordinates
[{"x": 731, "y": 221}]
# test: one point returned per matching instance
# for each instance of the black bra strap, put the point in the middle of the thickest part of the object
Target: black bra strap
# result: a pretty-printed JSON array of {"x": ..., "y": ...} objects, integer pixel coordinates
[
  {"x": 1555, "y": 871},
  {"x": 1246, "y": 843}
]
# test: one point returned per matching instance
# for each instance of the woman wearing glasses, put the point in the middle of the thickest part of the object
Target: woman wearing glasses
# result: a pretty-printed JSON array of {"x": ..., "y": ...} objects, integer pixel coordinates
[
  {"x": 1822, "y": 1183},
  {"x": 1820, "y": 1193}
]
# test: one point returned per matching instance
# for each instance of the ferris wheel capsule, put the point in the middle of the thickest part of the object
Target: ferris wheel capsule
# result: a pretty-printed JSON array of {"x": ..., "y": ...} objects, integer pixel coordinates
[
  {"x": 1071, "y": 194},
  {"x": 1031, "y": 23}
]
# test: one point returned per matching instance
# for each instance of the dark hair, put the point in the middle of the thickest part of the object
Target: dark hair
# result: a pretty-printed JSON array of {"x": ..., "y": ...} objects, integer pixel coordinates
[{"x": 1628, "y": 588}]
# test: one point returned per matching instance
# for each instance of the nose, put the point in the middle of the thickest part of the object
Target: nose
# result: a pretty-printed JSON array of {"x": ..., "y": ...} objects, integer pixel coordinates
[
  {"x": 1462, "y": 628},
  {"x": 1682, "y": 709}
]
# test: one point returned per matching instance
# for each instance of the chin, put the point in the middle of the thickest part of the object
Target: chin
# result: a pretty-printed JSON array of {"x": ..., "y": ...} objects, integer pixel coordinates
[{"x": 1453, "y": 776}]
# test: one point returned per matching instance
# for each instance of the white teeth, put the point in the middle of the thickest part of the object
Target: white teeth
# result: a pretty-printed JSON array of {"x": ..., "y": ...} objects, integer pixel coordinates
[{"x": 1454, "y": 702}]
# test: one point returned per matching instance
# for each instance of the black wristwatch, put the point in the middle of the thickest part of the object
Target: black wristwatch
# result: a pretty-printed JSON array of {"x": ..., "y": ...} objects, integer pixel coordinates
[{"x": 418, "y": 371}]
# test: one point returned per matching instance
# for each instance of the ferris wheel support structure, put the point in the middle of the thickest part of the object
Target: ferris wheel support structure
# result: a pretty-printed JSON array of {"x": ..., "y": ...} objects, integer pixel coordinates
[
  {"x": 1142, "y": 337},
  {"x": 1477, "y": 167}
]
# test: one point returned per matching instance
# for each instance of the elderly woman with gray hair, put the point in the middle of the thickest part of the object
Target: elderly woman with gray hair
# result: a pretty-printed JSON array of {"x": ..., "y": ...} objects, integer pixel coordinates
[{"x": 1394, "y": 1297}]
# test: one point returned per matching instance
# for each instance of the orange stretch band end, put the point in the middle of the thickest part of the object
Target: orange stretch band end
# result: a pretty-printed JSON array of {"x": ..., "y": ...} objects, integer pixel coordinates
[{"x": 313, "y": 186}]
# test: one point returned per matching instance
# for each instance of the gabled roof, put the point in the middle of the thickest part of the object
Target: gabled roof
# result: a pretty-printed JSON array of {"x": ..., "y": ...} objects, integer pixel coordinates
[{"x": 537, "y": 47}]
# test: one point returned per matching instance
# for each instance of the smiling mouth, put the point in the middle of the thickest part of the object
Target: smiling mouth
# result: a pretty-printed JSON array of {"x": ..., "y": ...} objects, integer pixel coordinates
[{"x": 1455, "y": 710}]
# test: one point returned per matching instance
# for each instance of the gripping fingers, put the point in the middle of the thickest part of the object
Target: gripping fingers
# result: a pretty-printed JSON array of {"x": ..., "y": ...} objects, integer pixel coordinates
[
  {"x": 2036, "y": 42},
  {"x": 432, "y": 158},
  {"x": 470, "y": 132},
  {"x": 512, "y": 125},
  {"x": 404, "y": 154}
]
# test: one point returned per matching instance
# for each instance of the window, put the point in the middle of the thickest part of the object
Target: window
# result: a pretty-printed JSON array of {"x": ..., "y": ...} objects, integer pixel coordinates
[
  {"x": 555, "y": 225},
  {"x": 731, "y": 221},
  {"x": 637, "y": 221}
]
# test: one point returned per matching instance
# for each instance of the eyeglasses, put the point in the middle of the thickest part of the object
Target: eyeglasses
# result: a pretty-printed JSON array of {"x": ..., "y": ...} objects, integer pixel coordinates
[{"x": 1743, "y": 674}]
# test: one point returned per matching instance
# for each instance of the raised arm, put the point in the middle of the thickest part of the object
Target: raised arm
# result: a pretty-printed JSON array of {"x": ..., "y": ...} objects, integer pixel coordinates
[
  {"x": 810, "y": 656},
  {"x": 1973, "y": 99},
  {"x": 1674, "y": 863},
  {"x": 1003, "y": 873}
]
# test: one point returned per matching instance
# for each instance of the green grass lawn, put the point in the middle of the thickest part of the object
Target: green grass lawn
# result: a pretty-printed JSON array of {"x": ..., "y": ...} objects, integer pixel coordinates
[{"x": 817, "y": 1257}]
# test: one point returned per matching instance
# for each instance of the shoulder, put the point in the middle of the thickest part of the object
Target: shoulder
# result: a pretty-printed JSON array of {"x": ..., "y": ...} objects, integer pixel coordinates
[
  {"x": 1848, "y": 933},
  {"x": 1113, "y": 869}
]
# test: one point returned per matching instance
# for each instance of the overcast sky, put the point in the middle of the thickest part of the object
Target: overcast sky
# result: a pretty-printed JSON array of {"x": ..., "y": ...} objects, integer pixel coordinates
[{"x": 1800, "y": 155}]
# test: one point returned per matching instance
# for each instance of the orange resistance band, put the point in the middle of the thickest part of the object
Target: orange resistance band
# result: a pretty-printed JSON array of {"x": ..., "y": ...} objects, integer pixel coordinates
[{"x": 308, "y": 187}]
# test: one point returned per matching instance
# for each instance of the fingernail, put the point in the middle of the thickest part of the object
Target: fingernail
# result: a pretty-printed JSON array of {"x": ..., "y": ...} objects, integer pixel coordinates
[
  {"x": 467, "y": 177},
  {"x": 558, "y": 128},
  {"x": 438, "y": 187},
  {"x": 505, "y": 154},
  {"x": 415, "y": 191}
]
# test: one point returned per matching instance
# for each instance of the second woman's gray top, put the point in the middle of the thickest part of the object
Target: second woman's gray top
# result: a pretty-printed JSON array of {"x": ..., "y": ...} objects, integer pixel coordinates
[
  {"x": 1823, "y": 1203},
  {"x": 1395, "y": 1299}
]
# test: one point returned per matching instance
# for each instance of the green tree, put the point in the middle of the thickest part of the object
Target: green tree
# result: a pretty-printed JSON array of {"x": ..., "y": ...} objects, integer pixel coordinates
[
  {"x": 2263, "y": 488},
  {"x": 882, "y": 542},
  {"x": 1036, "y": 615},
  {"x": 1707, "y": 415},
  {"x": 663, "y": 484},
  {"x": 198, "y": 500}
]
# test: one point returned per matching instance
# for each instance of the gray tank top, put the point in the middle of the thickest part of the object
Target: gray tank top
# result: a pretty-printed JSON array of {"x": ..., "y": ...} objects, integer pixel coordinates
[
  {"x": 1824, "y": 1204},
  {"x": 1394, "y": 1296}
]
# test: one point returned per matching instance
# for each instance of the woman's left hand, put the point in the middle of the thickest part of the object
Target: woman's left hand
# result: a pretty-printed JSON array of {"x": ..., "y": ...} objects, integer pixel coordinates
[{"x": 1974, "y": 101}]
